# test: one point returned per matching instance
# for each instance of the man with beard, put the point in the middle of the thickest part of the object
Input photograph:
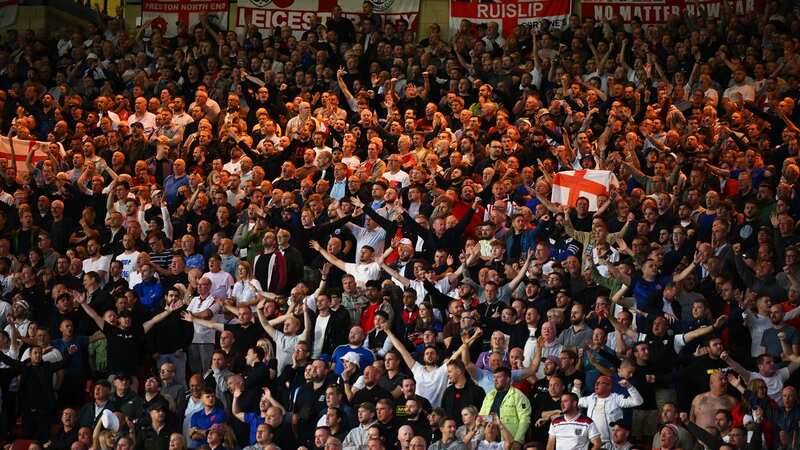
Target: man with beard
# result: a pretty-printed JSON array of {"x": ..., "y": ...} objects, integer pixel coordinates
[
  {"x": 405, "y": 254},
  {"x": 547, "y": 405},
  {"x": 291, "y": 377},
  {"x": 430, "y": 375},
  {"x": 371, "y": 392},
  {"x": 578, "y": 334},
  {"x": 572, "y": 430},
  {"x": 308, "y": 401},
  {"x": 96, "y": 262}
]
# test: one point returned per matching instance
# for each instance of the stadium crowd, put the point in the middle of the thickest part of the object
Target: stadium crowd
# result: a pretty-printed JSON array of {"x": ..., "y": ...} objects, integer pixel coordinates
[{"x": 346, "y": 240}]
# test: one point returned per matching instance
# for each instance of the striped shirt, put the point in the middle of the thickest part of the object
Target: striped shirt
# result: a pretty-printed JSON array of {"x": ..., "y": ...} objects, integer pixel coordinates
[{"x": 161, "y": 259}]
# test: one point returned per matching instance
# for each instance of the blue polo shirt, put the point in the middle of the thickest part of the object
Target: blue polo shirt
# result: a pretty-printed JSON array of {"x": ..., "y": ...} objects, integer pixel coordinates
[{"x": 203, "y": 421}]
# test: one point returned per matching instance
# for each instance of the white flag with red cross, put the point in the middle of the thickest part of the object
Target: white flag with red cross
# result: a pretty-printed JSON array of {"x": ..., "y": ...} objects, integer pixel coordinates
[{"x": 570, "y": 185}]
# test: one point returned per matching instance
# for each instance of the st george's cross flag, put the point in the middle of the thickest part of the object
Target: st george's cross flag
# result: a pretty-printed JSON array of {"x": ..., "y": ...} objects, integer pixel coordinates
[{"x": 570, "y": 185}]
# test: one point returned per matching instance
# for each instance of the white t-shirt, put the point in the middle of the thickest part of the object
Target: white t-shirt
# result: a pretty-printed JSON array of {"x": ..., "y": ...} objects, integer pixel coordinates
[
  {"x": 101, "y": 264},
  {"x": 758, "y": 325},
  {"x": 319, "y": 335},
  {"x": 221, "y": 283},
  {"x": 203, "y": 335},
  {"x": 399, "y": 177},
  {"x": 233, "y": 167},
  {"x": 431, "y": 384},
  {"x": 363, "y": 272},
  {"x": 747, "y": 91},
  {"x": 774, "y": 383},
  {"x": 128, "y": 261}
]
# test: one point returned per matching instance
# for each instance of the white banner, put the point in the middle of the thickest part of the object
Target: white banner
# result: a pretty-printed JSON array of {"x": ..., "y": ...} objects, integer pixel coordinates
[
  {"x": 266, "y": 15},
  {"x": 174, "y": 16}
]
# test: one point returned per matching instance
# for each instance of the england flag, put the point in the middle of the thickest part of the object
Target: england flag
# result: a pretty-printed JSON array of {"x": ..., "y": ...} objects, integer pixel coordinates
[{"x": 570, "y": 185}]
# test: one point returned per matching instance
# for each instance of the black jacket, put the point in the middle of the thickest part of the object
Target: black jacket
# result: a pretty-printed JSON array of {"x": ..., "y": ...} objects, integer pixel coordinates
[
  {"x": 36, "y": 388},
  {"x": 335, "y": 333},
  {"x": 454, "y": 400}
]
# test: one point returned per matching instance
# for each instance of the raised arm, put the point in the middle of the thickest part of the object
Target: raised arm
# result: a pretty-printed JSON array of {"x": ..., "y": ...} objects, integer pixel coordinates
[
  {"x": 689, "y": 269},
  {"x": 523, "y": 270},
  {"x": 398, "y": 345},
  {"x": 330, "y": 258},
  {"x": 81, "y": 299},
  {"x": 147, "y": 326},
  {"x": 545, "y": 201},
  {"x": 343, "y": 86},
  {"x": 744, "y": 373},
  {"x": 396, "y": 275},
  {"x": 306, "y": 322},
  {"x": 621, "y": 328},
  {"x": 237, "y": 412},
  {"x": 190, "y": 317},
  {"x": 268, "y": 325},
  {"x": 702, "y": 331}
]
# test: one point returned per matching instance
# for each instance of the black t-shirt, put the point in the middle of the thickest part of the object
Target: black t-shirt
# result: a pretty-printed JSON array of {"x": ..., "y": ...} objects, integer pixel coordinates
[
  {"x": 124, "y": 347},
  {"x": 542, "y": 402},
  {"x": 370, "y": 395},
  {"x": 245, "y": 338},
  {"x": 647, "y": 390},
  {"x": 455, "y": 399}
]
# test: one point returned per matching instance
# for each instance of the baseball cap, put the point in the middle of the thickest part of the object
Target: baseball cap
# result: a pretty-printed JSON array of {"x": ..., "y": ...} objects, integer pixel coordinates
[{"x": 352, "y": 357}]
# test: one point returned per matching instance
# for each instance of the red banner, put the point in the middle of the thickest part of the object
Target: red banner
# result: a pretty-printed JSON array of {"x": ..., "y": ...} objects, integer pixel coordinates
[
  {"x": 657, "y": 11},
  {"x": 509, "y": 14}
]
